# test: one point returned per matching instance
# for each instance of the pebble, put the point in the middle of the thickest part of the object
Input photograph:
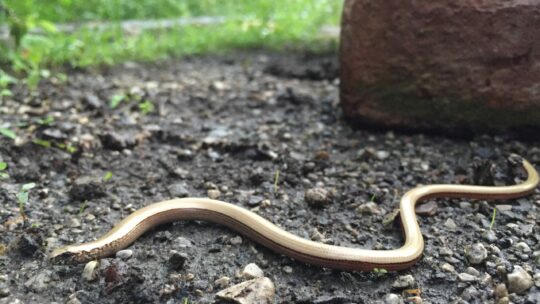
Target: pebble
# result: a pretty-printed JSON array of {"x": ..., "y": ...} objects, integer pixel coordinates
[
  {"x": 87, "y": 188},
  {"x": 124, "y": 254},
  {"x": 470, "y": 293},
  {"x": 178, "y": 190},
  {"x": 177, "y": 259},
  {"x": 74, "y": 223},
  {"x": 465, "y": 277},
  {"x": 90, "y": 271},
  {"x": 445, "y": 251},
  {"x": 450, "y": 224},
  {"x": 72, "y": 299},
  {"x": 222, "y": 282},
  {"x": 39, "y": 282},
  {"x": 318, "y": 197},
  {"x": 537, "y": 279},
  {"x": 392, "y": 298},
  {"x": 237, "y": 240},
  {"x": 489, "y": 236},
  {"x": 252, "y": 271},
  {"x": 256, "y": 291},
  {"x": 288, "y": 269},
  {"x": 255, "y": 200},
  {"x": 214, "y": 193},
  {"x": 26, "y": 244},
  {"x": 4, "y": 291},
  {"x": 476, "y": 253},
  {"x": 369, "y": 208},
  {"x": 536, "y": 256},
  {"x": 427, "y": 209},
  {"x": 501, "y": 291},
  {"x": 382, "y": 155},
  {"x": 472, "y": 271},
  {"x": 519, "y": 280},
  {"x": 523, "y": 247},
  {"x": 182, "y": 242},
  {"x": 447, "y": 267},
  {"x": 406, "y": 281},
  {"x": 117, "y": 142}
]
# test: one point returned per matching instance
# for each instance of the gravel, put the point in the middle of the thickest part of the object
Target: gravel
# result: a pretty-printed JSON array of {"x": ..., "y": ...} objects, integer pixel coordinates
[{"x": 263, "y": 139}]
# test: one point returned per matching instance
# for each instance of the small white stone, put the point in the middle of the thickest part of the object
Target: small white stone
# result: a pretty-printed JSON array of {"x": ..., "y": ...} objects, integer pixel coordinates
[
  {"x": 382, "y": 155},
  {"x": 90, "y": 271},
  {"x": 537, "y": 279},
  {"x": 392, "y": 298},
  {"x": 252, "y": 271},
  {"x": 476, "y": 253},
  {"x": 222, "y": 282},
  {"x": 369, "y": 208},
  {"x": 256, "y": 291},
  {"x": 465, "y": 277},
  {"x": 450, "y": 224},
  {"x": 406, "y": 281},
  {"x": 519, "y": 280},
  {"x": 214, "y": 193},
  {"x": 75, "y": 223},
  {"x": 523, "y": 247},
  {"x": 447, "y": 267},
  {"x": 124, "y": 254}
]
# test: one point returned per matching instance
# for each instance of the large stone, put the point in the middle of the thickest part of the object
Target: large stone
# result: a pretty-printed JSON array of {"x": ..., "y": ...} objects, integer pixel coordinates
[{"x": 442, "y": 64}]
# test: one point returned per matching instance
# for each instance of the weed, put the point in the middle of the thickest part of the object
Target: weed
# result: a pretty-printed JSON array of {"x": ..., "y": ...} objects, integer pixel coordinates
[
  {"x": 108, "y": 175},
  {"x": 493, "y": 218},
  {"x": 146, "y": 107},
  {"x": 22, "y": 198},
  {"x": 82, "y": 208},
  {"x": 8, "y": 133},
  {"x": 379, "y": 271},
  {"x": 42, "y": 142},
  {"x": 46, "y": 121},
  {"x": 116, "y": 100},
  {"x": 3, "y": 167},
  {"x": 276, "y": 181}
]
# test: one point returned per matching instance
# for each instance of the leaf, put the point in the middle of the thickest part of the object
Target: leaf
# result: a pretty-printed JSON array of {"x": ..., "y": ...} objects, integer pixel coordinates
[
  {"x": 3, "y": 166},
  {"x": 42, "y": 142},
  {"x": 107, "y": 176},
  {"x": 28, "y": 186},
  {"x": 47, "y": 26},
  {"x": 6, "y": 92},
  {"x": 22, "y": 197},
  {"x": 8, "y": 133},
  {"x": 116, "y": 100}
]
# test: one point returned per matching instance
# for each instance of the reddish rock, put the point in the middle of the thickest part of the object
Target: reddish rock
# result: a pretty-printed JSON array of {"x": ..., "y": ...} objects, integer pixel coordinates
[{"x": 442, "y": 64}]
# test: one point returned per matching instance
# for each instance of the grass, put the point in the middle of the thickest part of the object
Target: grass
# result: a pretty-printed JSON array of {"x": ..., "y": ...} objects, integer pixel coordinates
[{"x": 264, "y": 24}]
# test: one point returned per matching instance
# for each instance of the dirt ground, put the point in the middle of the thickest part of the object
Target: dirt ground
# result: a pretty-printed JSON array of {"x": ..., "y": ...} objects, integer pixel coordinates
[{"x": 230, "y": 124}]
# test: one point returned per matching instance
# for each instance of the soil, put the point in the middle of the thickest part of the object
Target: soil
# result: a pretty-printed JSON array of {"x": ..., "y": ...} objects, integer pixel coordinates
[{"x": 231, "y": 123}]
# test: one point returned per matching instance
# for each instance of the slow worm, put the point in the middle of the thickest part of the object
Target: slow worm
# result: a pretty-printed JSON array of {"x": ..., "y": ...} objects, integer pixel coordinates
[{"x": 279, "y": 240}]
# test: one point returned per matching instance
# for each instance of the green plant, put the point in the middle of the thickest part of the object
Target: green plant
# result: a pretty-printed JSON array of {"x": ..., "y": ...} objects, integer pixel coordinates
[
  {"x": 8, "y": 133},
  {"x": 83, "y": 207},
  {"x": 5, "y": 81},
  {"x": 116, "y": 100},
  {"x": 493, "y": 218},
  {"x": 3, "y": 167},
  {"x": 276, "y": 181},
  {"x": 379, "y": 271},
  {"x": 108, "y": 175},
  {"x": 42, "y": 142},
  {"x": 22, "y": 198},
  {"x": 146, "y": 107},
  {"x": 46, "y": 121}
]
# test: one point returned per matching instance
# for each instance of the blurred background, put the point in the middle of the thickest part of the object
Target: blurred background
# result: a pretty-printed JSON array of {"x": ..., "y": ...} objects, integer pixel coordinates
[{"x": 39, "y": 35}]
